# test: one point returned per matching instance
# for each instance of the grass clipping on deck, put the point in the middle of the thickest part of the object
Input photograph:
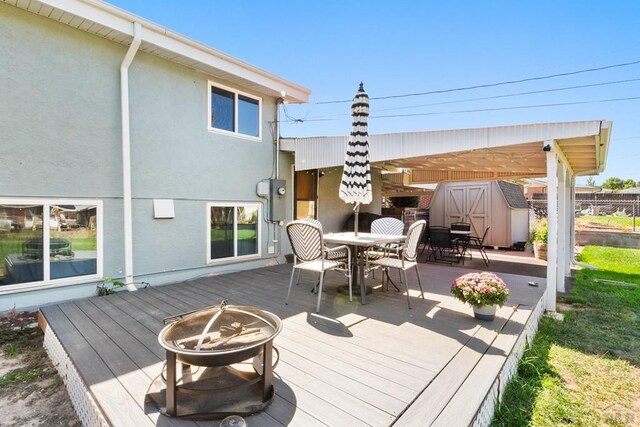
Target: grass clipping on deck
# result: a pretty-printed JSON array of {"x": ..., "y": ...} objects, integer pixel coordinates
[{"x": 584, "y": 371}]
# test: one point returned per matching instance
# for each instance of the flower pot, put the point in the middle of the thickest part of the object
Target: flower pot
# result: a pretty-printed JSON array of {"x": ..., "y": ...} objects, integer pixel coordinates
[
  {"x": 486, "y": 312},
  {"x": 540, "y": 250}
]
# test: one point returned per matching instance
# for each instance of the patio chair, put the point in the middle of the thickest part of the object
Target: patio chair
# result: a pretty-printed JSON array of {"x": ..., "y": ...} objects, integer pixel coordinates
[
  {"x": 386, "y": 225},
  {"x": 463, "y": 241},
  {"x": 426, "y": 238},
  {"x": 334, "y": 255},
  {"x": 476, "y": 242},
  {"x": 408, "y": 257},
  {"x": 444, "y": 245},
  {"x": 310, "y": 254}
]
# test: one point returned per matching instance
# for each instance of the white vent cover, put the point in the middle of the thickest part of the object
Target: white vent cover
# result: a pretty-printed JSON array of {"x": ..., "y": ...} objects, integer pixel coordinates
[{"x": 163, "y": 208}]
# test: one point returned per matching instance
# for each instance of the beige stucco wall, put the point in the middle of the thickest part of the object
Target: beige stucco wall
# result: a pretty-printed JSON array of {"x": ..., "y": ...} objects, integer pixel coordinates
[{"x": 332, "y": 211}]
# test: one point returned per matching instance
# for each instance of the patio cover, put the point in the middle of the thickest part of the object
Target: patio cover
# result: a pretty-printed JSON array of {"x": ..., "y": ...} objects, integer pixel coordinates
[
  {"x": 505, "y": 152},
  {"x": 557, "y": 151}
]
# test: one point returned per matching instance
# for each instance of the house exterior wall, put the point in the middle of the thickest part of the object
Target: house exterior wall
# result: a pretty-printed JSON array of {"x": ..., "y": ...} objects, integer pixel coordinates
[
  {"x": 61, "y": 138},
  {"x": 333, "y": 211}
]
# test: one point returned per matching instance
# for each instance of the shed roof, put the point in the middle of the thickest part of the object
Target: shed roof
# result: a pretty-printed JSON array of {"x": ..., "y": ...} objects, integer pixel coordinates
[
  {"x": 107, "y": 21},
  {"x": 632, "y": 190},
  {"x": 514, "y": 195}
]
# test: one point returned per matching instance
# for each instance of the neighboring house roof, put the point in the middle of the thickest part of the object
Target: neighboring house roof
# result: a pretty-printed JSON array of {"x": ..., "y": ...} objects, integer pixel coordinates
[
  {"x": 513, "y": 195},
  {"x": 505, "y": 152},
  {"x": 632, "y": 190},
  {"x": 107, "y": 21},
  {"x": 538, "y": 183}
]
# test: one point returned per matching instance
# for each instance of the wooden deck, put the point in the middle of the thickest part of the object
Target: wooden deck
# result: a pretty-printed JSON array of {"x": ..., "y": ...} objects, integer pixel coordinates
[{"x": 351, "y": 365}]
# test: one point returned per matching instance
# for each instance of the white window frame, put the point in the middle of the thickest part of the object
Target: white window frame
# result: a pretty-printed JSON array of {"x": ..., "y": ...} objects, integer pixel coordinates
[
  {"x": 235, "y": 257},
  {"x": 235, "y": 112},
  {"x": 46, "y": 234}
]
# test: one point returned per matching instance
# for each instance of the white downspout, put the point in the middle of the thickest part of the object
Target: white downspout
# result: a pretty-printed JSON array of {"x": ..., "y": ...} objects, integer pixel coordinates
[{"x": 126, "y": 154}]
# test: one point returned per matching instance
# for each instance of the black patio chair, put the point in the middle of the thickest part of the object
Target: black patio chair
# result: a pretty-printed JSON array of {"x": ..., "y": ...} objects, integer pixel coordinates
[
  {"x": 426, "y": 238},
  {"x": 476, "y": 242},
  {"x": 463, "y": 241},
  {"x": 443, "y": 247}
]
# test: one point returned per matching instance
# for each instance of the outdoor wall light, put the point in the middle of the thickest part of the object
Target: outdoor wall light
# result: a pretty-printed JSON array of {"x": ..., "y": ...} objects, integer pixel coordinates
[{"x": 546, "y": 148}]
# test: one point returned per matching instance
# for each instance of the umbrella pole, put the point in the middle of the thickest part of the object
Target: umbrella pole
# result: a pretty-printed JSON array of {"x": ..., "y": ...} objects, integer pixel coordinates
[{"x": 356, "y": 209}]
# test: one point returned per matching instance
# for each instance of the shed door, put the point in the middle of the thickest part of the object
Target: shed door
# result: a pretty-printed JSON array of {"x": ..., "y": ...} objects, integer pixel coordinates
[{"x": 468, "y": 204}]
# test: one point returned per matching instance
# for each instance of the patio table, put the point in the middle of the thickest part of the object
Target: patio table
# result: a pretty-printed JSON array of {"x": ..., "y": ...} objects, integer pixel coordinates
[{"x": 359, "y": 244}]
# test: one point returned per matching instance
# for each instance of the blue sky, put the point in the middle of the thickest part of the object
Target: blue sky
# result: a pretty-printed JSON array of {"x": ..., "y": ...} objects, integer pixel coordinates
[{"x": 401, "y": 47}]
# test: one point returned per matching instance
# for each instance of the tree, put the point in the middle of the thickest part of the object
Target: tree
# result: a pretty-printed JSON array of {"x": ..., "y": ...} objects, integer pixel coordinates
[
  {"x": 613, "y": 183},
  {"x": 591, "y": 182},
  {"x": 629, "y": 183}
]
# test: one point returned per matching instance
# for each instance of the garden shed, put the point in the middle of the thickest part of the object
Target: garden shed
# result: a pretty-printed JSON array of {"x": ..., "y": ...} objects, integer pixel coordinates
[{"x": 498, "y": 204}]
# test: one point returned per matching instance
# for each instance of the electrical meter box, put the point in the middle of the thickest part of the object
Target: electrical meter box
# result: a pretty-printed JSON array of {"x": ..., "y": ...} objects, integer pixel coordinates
[{"x": 277, "y": 202}]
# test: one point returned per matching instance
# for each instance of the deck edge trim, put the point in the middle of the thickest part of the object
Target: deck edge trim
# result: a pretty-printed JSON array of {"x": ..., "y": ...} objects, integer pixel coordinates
[
  {"x": 81, "y": 398},
  {"x": 485, "y": 412}
]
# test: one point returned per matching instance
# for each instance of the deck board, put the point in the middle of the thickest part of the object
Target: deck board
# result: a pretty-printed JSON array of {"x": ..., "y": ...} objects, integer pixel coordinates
[{"x": 371, "y": 365}]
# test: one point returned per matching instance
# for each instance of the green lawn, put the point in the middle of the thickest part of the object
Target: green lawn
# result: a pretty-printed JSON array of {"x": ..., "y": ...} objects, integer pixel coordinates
[
  {"x": 242, "y": 235},
  {"x": 12, "y": 243},
  {"x": 584, "y": 371},
  {"x": 624, "y": 222}
]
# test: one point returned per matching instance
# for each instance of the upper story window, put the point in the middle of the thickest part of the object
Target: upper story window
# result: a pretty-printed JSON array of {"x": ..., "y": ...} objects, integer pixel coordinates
[{"x": 234, "y": 112}]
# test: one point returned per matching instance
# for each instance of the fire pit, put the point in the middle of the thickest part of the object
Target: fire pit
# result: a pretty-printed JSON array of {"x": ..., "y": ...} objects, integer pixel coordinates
[{"x": 218, "y": 339}]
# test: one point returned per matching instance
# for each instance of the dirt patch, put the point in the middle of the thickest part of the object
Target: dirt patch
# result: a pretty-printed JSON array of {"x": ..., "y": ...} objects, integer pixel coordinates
[
  {"x": 31, "y": 392},
  {"x": 586, "y": 225}
]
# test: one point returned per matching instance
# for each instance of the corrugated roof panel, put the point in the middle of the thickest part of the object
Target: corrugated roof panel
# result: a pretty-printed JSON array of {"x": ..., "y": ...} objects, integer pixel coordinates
[{"x": 320, "y": 152}]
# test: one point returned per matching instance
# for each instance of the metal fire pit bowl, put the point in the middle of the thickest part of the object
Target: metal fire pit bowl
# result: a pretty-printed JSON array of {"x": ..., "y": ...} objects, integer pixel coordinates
[
  {"x": 219, "y": 348},
  {"x": 218, "y": 338}
]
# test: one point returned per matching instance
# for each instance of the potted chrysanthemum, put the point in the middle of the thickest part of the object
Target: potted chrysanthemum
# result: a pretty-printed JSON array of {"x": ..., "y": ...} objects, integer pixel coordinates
[{"x": 483, "y": 291}]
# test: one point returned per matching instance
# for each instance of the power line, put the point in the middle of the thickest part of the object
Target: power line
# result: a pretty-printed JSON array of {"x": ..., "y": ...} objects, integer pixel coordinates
[
  {"x": 534, "y": 92},
  {"x": 484, "y": 98},
  {"x": 522, "y": 107},
  {"x": 627, "y": 137},
  {"x": 508, "y": 82},
  {"x": 518, "y": 107}
]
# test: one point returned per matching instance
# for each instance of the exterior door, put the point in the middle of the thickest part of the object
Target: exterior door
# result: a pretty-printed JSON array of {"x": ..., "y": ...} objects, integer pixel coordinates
[
  {"x": 469, "y": 203},
  {"x": 306, "y": 194}
]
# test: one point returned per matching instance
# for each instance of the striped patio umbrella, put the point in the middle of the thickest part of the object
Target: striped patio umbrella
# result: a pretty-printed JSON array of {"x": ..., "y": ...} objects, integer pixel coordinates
[{"x": 356, "y": 177}]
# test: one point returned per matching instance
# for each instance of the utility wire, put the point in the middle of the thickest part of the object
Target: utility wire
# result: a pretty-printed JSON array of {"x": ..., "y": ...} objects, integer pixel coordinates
[
  {"x": 508, "y": 82},
  {"x": 484, "y": 98},
  {"x": 519, "y": 107},
  {"x": 522, "y": 107},
  {"x": 534, "y": 92},
  {"x": 627, "y": 137}
]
